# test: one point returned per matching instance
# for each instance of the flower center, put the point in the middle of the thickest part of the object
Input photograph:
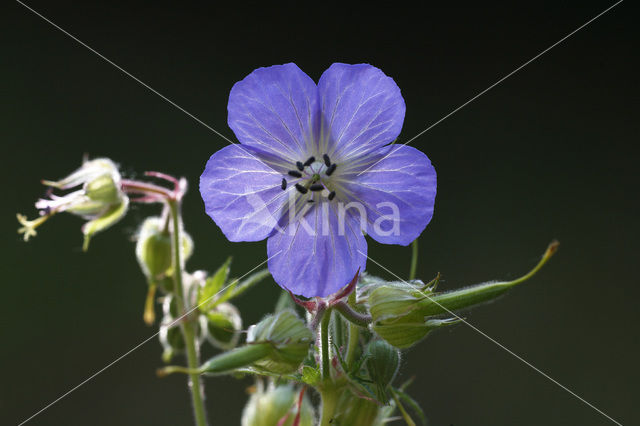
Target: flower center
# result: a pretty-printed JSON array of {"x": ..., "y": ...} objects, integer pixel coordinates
[{"x": 312, "y": 176}]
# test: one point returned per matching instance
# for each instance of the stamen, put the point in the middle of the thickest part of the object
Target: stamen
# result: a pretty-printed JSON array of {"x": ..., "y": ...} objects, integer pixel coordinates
[
  {"x": 295, "y": 173},
  {"x": 301, "y": 188},
  {"x": 283, "y": 185},
  {"x": 309, "y": 161},
  {"x": 332, "y": 195},
  {"x": 316, "y": 187},
  {"x": 331, "y": 169},
  {"x": 310, "y": 200},
  {"x": 299, "y": 165},
  {"x": 327, "y": 161}
]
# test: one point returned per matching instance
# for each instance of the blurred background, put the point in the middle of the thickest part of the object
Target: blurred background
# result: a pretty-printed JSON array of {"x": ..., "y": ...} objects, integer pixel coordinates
[{"x": 549, "y": 153}]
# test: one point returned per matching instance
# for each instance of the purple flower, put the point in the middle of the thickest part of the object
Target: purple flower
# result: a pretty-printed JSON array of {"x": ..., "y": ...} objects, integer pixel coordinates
[{"x": 313, "y": 172}]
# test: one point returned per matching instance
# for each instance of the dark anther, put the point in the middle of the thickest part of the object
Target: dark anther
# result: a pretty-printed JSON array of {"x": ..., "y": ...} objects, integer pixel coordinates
[
  {"x": 327, "y": 162},
  {"x": 332, "y": 195},
  {"x": 299, "y": 165},
  {"x": 331, "y": 169},
  {"x": 310, "y": 200},
  {"x": 283, "y": 185},
  {"x": 309, "y": 161},
  {"x": 316, "y": 187},
  {"x": 301, "y": 188},
  {"x": 295, "y": 173}
]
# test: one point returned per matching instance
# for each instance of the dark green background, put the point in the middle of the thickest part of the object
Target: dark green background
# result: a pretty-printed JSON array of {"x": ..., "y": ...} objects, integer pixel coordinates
[{"x": 549, "y": 153}]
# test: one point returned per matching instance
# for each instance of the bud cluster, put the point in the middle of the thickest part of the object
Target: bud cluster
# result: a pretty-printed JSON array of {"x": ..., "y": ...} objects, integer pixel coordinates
[{"x": 347, "y": 349}]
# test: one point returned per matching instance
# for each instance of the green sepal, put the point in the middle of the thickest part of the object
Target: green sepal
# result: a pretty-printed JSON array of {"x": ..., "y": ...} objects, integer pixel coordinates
[
  {"x": 290, "y": 340},
  {"x": 112, "y": 215}
]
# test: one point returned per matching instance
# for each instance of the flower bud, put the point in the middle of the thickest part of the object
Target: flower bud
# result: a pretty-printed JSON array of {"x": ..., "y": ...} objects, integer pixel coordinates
[
  {"x": 223, "y": 326},
  {"x": 172, "y": 340},
  {"x": 153, "y": 249},
  {"x": 277, "y": 405},
  {"x": 383, "y": 362},
  {"x": 289, "y": 338},
  {"x": 397, "y": 317}
]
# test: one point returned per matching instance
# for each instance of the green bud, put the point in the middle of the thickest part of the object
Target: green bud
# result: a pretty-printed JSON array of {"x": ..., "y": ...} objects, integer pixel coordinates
[
  {"x": 400, "y": 311},
  {"x": 172, "y": 341},
  {"x": 353, "y": 410},
  {"x": 383, "y": 362},
  {"x": 153, "y": 249},
  {"x": 223, "y": 326},
  {"x": 289, "y": 338},
  {"x": 277, "y": 406},
  {"x": 403, "y": 332},
  {"x": 278, "y": 344}
]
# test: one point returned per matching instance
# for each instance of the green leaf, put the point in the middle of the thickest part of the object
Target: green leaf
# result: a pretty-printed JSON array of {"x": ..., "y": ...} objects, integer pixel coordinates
[
  {"x": 236, "y": 288},
  {"x": 207, "y": 295}
]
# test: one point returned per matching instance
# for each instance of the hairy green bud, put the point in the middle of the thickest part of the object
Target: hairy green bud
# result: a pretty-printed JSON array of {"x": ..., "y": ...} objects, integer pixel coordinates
[
  {"x": 223, "y": 326},
  {"x": 383, "y": 362},
  {"x": 277, "y": 405},
  {"x": 289, "y": 337}
]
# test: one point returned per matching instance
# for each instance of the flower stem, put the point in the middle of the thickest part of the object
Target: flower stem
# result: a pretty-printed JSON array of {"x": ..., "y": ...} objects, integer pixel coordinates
[
  {"x": 354, "y": 335},
  {"x": 414, "y": 259},
  {"x": 329, "y": 400},
  {"x": 195, "y": 385},
  {"x": 324, "y": 346}
]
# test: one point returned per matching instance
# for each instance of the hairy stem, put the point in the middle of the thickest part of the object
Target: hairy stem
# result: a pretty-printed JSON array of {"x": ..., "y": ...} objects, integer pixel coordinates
[
  {"x": 324, "y": 345},
  {"x": 414, "y": 260},
  {"x": 188, "y": 331},
  {"x": 329, "y": 400},
  {"x": 363, "y": 320},
  {"x": 354, "y": 335}
]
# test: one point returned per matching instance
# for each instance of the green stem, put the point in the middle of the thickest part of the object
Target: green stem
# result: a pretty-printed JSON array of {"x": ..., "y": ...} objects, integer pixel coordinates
[
  {"x": 414, "y": 259},
  {"x": 363, "y": 320},
  {"x": 354, "y": 334},
  {"x": 329, "y": 400},
  {"x": 324, "y": 345},
  {"x": 195, "y": 385}
]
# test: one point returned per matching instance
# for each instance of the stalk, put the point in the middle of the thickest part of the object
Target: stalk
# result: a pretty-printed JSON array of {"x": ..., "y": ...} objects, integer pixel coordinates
[
  {"x": 414, "y": 259},
  {"x": 188, "y": 332}
]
